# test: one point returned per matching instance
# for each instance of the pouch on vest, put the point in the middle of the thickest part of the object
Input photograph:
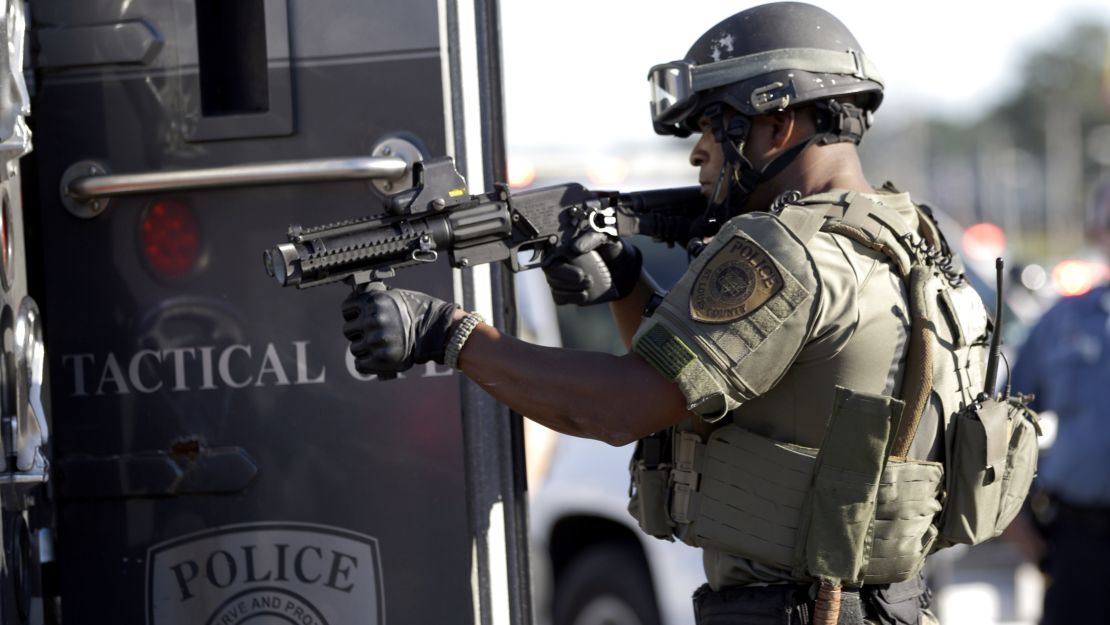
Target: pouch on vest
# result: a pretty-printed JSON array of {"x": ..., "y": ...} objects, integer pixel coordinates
[
  {"x": 648, "y": 492},
  {"x": 840, "y": 507},
  {"x": 992, "y": 457},
  {"x": 751, "y": 498}
]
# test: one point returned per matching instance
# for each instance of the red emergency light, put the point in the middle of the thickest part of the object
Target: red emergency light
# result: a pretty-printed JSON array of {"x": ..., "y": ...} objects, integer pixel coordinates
[
  {"x": 1073, "y": 278},
  {"x": 169, "y": 237},
  {"x": 984, "y": 241}
]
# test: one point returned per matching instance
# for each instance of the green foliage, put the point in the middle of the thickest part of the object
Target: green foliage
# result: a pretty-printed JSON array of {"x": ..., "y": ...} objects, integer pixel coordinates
[
  {"x": 1024, "y": 163},
  {"x": 1070, "y": 72}
]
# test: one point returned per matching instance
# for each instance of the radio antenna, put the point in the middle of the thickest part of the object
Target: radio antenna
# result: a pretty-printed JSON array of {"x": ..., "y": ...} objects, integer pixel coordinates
[{"x": 996, "y": 336}]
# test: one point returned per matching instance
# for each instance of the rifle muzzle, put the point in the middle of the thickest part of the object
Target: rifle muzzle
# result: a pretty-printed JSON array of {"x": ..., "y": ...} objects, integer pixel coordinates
[{"x": 283, "y": 263}]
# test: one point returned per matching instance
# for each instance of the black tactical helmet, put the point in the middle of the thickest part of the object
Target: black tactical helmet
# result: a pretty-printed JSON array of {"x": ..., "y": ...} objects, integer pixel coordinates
[{"x": 767, "y": 58}]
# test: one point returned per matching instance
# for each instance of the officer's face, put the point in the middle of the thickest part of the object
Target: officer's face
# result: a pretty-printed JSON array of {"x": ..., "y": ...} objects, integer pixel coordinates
[{"x": 708, "y": 157}]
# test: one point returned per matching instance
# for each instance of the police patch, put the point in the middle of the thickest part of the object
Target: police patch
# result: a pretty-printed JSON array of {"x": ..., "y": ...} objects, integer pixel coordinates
[
  {"x": 739, "y": 279},
  {"x": 266, "y": 572}
]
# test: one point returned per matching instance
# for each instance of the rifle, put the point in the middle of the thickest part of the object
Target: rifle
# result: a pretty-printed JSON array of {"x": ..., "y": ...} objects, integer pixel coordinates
[{"x": 437, "y": 215}]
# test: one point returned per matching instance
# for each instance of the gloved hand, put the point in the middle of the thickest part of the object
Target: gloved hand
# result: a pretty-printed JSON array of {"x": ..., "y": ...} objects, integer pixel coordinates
[
  {"x": 593, "y": 269},
  {"x": 392, "y": 329}
]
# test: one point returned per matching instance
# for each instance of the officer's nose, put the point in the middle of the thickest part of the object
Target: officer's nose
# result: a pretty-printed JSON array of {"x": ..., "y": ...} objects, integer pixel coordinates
[{"x": 698, "y": 155}]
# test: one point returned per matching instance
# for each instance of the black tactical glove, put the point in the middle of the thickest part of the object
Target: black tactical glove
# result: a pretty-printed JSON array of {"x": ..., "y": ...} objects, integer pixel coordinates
[
  {"x": 593, "y": 269},
  {"x": 392, "y": 329}
]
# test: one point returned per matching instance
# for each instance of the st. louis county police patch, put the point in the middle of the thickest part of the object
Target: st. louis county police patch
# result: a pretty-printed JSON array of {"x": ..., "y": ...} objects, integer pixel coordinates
[{"x": 739, "y": 279}]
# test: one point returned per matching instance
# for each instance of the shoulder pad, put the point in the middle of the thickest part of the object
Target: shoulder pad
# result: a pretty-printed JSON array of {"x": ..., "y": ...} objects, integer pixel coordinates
[{"x": 747, "y": 304}]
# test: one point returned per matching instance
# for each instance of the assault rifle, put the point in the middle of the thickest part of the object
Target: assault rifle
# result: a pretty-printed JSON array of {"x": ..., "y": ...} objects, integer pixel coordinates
[{"x": 437, "y": 216}]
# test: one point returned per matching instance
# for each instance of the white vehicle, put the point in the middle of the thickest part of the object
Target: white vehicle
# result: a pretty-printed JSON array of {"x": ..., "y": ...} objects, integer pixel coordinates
[{"x": 601, "y": 569}]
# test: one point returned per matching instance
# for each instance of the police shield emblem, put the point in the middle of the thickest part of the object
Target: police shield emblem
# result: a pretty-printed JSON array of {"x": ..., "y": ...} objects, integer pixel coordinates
[
  {"x": 262, "y": 573},
  {"x": 736, "y": 281}
]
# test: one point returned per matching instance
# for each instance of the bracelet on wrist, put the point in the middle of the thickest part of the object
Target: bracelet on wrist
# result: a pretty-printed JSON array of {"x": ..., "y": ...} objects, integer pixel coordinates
[{"x": 458, "y": 338}]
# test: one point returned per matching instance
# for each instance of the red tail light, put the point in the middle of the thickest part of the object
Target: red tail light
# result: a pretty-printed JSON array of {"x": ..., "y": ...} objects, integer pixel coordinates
[{"x": 169, "y": 237}]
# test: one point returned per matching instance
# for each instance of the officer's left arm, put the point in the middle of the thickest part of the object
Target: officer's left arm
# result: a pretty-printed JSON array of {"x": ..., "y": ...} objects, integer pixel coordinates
[
  {"x": 616, "y": 399},
  {"x": 595, "y": 395}
]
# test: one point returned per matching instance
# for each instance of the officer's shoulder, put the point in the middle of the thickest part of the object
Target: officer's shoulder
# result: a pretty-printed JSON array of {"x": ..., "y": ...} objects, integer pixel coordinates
[
  {"x": 764, "y": 228},
  {"x": 797, "y": 227},
  {"x": 768, "y": 234}
]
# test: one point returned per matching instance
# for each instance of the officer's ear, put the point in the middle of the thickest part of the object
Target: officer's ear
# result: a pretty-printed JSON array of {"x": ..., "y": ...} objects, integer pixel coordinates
[{"x": 783, "y": 128}]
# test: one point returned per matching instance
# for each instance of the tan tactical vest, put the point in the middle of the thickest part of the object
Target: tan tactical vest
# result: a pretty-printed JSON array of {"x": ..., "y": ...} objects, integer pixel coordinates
[{"x": 858, "y": 509}]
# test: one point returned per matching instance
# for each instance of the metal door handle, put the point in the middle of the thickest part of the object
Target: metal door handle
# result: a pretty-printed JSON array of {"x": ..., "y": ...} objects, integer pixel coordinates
[{"x": 87, "y": 185}]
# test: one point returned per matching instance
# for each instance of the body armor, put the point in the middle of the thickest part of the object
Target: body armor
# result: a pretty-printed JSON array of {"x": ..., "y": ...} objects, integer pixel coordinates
[{"x": 859, "y": 507}]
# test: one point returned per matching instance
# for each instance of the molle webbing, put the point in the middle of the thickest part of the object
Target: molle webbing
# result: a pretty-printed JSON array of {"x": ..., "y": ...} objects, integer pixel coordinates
[
  {"x": 750, "y": 495},
  {"x": 752, "y": 498}
]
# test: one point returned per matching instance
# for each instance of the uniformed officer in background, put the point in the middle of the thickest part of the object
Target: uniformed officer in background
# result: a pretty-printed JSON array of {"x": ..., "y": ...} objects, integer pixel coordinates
[
  {"x": 1065, "y": 363},
  {"x": 784, "y": 390}
]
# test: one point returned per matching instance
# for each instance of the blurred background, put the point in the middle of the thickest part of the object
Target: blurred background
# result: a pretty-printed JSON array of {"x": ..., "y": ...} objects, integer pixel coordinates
[{"x": 996, "y": 113}]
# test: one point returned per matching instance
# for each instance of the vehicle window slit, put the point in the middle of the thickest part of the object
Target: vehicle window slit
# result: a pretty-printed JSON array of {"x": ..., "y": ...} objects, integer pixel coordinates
[{"x": 231, "y": 42}]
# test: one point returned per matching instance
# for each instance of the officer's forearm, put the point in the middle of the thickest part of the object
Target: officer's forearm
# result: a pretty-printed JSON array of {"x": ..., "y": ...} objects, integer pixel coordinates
[
  {"x": 616, "y": 399},
  {"x": 628, "y": 312}
]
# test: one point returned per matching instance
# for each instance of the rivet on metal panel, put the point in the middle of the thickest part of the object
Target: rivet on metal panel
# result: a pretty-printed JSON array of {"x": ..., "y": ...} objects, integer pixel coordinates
[{"x": 78, "y": 207}]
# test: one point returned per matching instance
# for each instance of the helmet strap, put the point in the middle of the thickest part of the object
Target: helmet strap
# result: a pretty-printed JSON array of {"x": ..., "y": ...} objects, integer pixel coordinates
[
  {"x": 837, "y": 123},
  {"x": 746, "y": 177},
  {"x": 731, "y": 135},
  {"x": 743, "y": 176}
]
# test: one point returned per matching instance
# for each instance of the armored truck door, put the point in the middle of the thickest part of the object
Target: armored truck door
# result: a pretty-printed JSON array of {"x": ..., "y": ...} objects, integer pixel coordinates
[{"x": 217, "y": 458}]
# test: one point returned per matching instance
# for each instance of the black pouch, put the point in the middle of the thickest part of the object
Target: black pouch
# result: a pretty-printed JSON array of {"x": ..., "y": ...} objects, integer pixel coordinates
[
  {"x": 896, "y": 604},
  {"x": 649, "y": 486}
]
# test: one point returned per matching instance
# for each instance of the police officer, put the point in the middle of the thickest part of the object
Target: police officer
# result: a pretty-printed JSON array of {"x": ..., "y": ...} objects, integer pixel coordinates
[
  {"x": 1065, "y": 363},
  {"x": 783, "y": 375}
]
